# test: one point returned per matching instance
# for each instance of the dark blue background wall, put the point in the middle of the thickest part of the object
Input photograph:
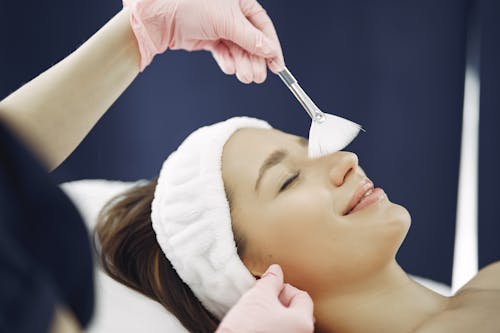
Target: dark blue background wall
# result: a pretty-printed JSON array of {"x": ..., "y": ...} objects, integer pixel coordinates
[{"x": 396, "y": 67}]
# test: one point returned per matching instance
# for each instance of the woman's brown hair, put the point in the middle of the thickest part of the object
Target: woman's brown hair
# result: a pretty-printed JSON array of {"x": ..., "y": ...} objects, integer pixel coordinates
[{"x": 130, "y": 254}]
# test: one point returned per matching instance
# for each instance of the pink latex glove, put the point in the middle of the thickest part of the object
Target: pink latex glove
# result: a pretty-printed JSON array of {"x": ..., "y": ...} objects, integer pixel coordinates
[
  {"x": 270, "y": 306},
  {"x": 239, "y": 33}
]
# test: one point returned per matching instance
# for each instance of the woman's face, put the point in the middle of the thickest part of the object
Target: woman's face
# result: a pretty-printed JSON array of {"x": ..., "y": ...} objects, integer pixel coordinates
[{"x": 297, "y": 211}]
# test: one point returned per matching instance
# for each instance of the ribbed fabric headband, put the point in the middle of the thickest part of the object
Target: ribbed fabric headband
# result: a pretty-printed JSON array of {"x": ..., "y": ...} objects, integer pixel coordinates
[{"x": 191, "y": 218}]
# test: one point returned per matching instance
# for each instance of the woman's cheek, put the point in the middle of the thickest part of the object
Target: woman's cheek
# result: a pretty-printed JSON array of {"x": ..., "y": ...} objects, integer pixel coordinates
[{"x": 302, "y": 208}]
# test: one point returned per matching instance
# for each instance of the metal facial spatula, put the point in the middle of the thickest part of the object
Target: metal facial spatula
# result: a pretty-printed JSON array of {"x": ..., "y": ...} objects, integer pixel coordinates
[{"x": 328, "y": 133}]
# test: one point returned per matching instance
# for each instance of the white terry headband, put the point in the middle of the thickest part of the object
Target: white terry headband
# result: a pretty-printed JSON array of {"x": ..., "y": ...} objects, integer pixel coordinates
[{"x": 192, "y": 221}]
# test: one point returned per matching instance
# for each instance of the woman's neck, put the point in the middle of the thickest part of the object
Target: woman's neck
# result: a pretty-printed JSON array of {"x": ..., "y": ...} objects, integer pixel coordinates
[{"x": 388, "y": 301}]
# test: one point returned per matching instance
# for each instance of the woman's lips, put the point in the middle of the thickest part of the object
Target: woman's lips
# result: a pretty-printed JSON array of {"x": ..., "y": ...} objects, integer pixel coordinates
[
  {"x": 363, "y": 189},
  {"x": 373, "y": 196}
]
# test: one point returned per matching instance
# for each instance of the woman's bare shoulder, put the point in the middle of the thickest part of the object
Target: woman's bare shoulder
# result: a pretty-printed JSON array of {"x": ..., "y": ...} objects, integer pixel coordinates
[
  {"x": 488, "y": 278},
  {"x": 475, "y": 307},
  {"x": 470, "y": 310}
]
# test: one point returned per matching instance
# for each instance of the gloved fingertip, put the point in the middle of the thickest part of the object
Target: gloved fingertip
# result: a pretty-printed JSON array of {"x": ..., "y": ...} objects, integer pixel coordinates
[
  {"x": 276, "y": 65},
  {"x": 259, "y": 79},
  {"x": 228, "y": 68},
  {"x": 274, "y": 269},
  {"x": 243, "y": 78}
]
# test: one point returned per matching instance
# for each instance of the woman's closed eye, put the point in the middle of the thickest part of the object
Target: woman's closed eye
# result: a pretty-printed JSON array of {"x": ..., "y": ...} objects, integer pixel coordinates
[{"x": 289, "y": 181}]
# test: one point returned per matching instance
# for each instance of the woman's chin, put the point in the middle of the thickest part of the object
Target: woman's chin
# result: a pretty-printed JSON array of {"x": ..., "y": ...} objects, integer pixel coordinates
[
  {"x": 402, "y": 213},
  {"x": 397, "y": 214},
  {"x": 399, "y": 221}
]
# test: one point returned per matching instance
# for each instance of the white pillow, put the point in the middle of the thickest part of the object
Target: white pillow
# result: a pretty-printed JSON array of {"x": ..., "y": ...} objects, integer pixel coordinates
[{"x": 119, "y": 308}]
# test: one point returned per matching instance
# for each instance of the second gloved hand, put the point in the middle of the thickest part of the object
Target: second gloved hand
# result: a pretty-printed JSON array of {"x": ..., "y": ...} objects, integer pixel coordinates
[
  {"x": 239, "y": 33},
  {"x": 270, "y": 307}
]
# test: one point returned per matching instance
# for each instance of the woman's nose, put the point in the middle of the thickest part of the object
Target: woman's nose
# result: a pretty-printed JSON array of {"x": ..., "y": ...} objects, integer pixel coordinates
[{"x": 342, "y": 163}]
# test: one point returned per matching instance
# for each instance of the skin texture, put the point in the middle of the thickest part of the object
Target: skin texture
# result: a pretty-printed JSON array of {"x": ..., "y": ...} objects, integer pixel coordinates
[{"x": 345, "y": 262}]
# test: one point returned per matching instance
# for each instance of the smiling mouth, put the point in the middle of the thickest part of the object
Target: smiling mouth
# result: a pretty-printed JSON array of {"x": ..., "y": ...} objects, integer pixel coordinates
[
  {"x": 364, "y": 196},
  {"x": 373, "y": 196}
]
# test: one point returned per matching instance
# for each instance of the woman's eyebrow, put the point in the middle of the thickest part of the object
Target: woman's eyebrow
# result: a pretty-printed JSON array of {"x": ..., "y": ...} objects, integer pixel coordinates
[{"x": 273, "y": 159}]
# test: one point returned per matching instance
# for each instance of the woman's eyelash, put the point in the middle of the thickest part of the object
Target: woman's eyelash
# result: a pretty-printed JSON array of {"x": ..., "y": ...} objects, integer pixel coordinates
[{"x": 288, "y": 182}]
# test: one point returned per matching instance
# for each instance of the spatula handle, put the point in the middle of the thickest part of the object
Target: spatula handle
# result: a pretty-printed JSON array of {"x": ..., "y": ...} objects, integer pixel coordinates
[
  {"x": 290, "y": 81},
  {"x": 287, "y": 77}
]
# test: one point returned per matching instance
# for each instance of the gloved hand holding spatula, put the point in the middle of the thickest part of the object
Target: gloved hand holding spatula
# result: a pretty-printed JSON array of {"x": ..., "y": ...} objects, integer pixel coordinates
[{"x": 243, "y": 41}]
